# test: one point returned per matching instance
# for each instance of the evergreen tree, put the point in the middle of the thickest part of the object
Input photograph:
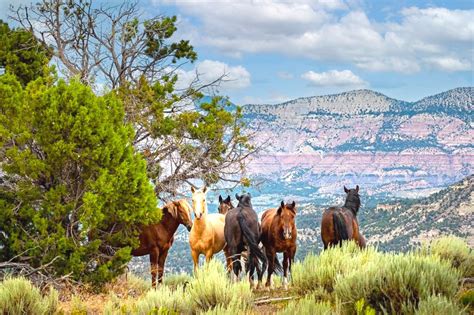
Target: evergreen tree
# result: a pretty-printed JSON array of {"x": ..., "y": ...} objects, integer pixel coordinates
[
  {"x": 21, "y": 54},
  {"x": 72, "y": 190}
]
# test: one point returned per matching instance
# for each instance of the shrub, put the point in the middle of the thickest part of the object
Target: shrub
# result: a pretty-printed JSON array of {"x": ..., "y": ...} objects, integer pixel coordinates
[
  {"x": 396, "y": 282},
  {"x": 19, "y": 296},
  {"x": 438, "y": 305},
  {"x": 455, "y": 250},
  {"x": 321, "y": 271},
  {"x": 173, "y": 281},
  {"x": 467, "y": 298},
  {"x": 211, "y": 288},
  {"x": 165, "y": 298},
  {"x": 307, "y": 305}
]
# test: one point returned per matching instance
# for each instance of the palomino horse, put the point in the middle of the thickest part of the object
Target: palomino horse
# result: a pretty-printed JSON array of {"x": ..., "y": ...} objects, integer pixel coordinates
[
  {"x": 156, "y": 239},
  {"x": 339, "y": 224},
  {"x": 207, "y": 234},
  {"x": 279, "y": 235},
  {"x": 243, "y": 230},
  {"x": 225, "y": 205}
]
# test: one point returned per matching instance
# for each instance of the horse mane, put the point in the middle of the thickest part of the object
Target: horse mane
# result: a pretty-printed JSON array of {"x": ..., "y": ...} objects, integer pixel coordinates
[{"x": 172, "y": 208}]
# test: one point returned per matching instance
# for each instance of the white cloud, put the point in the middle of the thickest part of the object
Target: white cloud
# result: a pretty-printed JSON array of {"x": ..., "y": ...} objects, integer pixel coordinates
[
  {"x": 312, "y": 29},
  {"x": 235, "y": 77},
  {"x": 334, "y": 78}
]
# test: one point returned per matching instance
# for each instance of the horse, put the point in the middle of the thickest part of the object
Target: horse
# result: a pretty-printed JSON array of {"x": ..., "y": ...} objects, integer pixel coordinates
[
  {"x": 207, "y": 234},
  {"x": 339, "y": 224},
  {"x": 279, "y": 235},
  {"x": 156, "y": 239},
  {"x": 224, "y": 205},
  {"x": 242, "y": 232}
]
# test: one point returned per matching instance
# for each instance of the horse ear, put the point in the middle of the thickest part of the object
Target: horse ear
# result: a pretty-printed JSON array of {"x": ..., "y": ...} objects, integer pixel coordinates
[
  {"x": 357, "y": 188},
  {"x": 346, "y": 190},
  {"x": 282, "y": 204},
  {"x": 293, "y": 204},
  {"x": 227, "y": 199},
  {"x": 237, "y": 196},
  {"x": 193, "y": 189},
  {"x": 204, "y": 190},
  {"x": 220, "y": 199}
]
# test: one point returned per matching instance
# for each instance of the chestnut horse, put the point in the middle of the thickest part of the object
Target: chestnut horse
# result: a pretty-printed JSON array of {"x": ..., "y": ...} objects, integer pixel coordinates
[
  {"x": 242, "y": 231},
  {"x": 279, "y": 236},
  {"x": 224, "y": 205},
  {"x": 207, "y": 234},
  {"x": 339, "y": 224},
  {"x": 156, "y": 239}
]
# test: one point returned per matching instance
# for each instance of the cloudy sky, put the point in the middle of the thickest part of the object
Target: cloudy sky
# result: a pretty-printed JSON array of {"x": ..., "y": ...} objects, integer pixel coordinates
[{"x": 274, "y": 51}]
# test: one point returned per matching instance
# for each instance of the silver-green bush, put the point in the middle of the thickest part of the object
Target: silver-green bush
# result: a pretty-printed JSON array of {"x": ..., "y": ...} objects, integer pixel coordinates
[
  {"x": 19, "y": 296},
  {"x": 438, "y": 305},
  {"x": 308, "y": 306},
  {"x": 455, "y": 250}
]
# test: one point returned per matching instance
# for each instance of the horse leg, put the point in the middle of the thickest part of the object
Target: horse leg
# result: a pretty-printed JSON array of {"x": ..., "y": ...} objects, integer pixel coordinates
[
  {"x": 251, "y": 270},
  {"x": 271, "y": 267},
  {"x": 228, "y": 259},
  {"x": 286, "y": 261},
  {"x": 154, "y": 255},
  {"x": 209, "y": 255},
  {"x": 195, "y": 256},
  {"x": 161, "y": 265},
  {"x": 236, "y": 265}
]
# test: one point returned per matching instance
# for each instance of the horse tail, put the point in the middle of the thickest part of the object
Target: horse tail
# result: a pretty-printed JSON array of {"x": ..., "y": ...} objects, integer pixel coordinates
[
  {"x": 340, "y": 230},
  {"x": 278, "y": 267},
  {"x": 252, "y": 242}
]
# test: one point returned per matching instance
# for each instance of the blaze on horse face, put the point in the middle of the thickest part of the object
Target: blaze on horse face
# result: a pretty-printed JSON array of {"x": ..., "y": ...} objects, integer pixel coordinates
[
  {"x": 287, "y": 213},
  {"x": 199, "y": 202},
  {"x": 224, "y": 205}
]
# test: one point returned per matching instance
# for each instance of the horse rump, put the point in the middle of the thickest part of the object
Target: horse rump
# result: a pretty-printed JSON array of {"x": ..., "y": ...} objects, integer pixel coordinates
[{"x": 252, "y": 240}]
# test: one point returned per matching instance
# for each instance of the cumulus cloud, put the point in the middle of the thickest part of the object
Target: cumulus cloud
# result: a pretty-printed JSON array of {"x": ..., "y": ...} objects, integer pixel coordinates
[
  {"x": 344, "y": 78},
  {"x": 421, "y": 37},
  {"x": 233, "y": 77}
]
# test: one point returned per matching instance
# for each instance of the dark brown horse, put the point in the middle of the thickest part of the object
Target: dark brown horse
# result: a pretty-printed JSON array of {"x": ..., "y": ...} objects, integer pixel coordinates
[
  {"x": 279, "y": 236},
  {"x": 242, "y": 231},
  {"x": 339, "y": 224},
  {"x": 224, "y": 205},
  {"x": 156, "y": 239}
]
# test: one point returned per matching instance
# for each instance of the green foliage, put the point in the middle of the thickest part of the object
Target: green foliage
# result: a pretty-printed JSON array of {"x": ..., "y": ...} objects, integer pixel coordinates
[
  {"x": 211, "y": 287},
  {"x": 307, "y": 306},
  {"x": 22, "y": 55},
  {"x": 19, "y": 296},
  {"x": 467, "y": 298},
  {"x": 74, "y": 190},
  {"x": 455, "y": 250},
  {"x": 173, "y": 281},
  {"x": 438, "y": 305}
]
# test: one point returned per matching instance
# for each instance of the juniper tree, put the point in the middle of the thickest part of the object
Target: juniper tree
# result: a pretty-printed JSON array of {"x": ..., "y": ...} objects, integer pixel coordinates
[{"x": 73, "y": 191}]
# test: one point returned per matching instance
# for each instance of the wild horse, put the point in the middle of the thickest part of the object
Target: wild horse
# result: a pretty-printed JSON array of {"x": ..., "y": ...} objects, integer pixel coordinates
[
  {"x": 207, "y": 235},
  {"x": 279, "y": 235},
  {"x": 242, "y": 231},
  {"x": 156, "y": 239},
  {"x": 224, "y": 205},
  {"x": 339, "y": 224}
]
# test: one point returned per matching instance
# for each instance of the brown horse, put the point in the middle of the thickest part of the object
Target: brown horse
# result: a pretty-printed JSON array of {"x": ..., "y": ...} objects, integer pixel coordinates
[
  {"x": 339, "y": 224},
  {"x": 156, "y": 239},
  {"x": 225, "y": 205},
  {"x": 279, "y": 235}
]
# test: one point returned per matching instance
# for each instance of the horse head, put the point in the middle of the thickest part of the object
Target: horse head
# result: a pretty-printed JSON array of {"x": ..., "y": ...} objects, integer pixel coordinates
[
  {"x": 244, "y": 200},
  {"x": 224, "y": 205},
  {"x": 287, "y": 213},
  {"x": 199, "y": 202},
  {"x": 183, "y": 213},
  {"x": 352, "y": 199}
]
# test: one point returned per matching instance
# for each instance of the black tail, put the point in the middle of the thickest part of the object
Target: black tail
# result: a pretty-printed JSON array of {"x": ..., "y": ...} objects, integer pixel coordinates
[
  {"x": 252, "y": 241},
  {"x": 340, "y": 230},
  {"x": 277, "y": 267}
]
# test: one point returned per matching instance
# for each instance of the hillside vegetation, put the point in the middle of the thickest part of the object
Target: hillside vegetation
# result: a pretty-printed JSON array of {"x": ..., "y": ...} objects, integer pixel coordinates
[{"x": 343, "y": 280}]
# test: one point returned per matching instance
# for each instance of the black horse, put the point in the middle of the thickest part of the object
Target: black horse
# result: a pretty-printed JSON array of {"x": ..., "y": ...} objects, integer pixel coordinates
[{"x": 242, "y": 231}]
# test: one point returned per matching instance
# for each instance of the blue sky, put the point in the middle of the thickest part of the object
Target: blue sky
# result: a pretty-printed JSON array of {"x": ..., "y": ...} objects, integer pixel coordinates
[{"x": 274, "y": 51}]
